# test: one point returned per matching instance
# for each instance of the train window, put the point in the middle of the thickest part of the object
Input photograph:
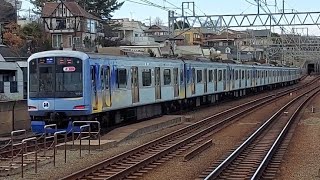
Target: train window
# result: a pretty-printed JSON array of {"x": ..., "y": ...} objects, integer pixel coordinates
[
  {"x": 210, "y": 76},
  {"x": 220, "y": 75},
  {"x": 166, "y": 77},
  {"x": 122, "y": 78},
  {"x": 33, "y": 76},
  {"x": 146, "y": 77},
  {"x": 242, "y": 74},
  {"x": 199, "y": 76}
]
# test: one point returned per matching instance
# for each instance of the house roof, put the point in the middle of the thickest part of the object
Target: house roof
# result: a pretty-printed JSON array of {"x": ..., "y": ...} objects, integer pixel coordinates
[
  {"x": 5, "y": 51},
  {"x": 162, "y": 38},
  {"x": 50, "y": 7},
  {"x": 157, "y": 28}
]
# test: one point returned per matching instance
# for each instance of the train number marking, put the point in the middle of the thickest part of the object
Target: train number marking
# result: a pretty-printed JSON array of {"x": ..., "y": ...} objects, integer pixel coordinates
[{"x": 45, "y": 105}]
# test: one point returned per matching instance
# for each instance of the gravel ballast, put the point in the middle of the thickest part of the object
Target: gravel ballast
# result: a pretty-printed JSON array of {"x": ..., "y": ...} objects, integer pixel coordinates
[{"x": 223, "y": 141}]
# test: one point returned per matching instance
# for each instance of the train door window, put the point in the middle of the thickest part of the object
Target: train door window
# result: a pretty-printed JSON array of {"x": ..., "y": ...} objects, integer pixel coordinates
[
  {"x": 106, "y": 77},
  {"x": 175, "y": 76},
  {"x": 193, "y": 75},
  {"x": 166, "y": 77},
  {"x": 215, "y": 76},
  {"x": 102, "y": 79},
  {"x": 146, "y": 77},
  {"x": 242, "y": 74},
  {"x": 122, "y": 78},
  {"x": 199, "y": 76},
  {"x": 236, "y": 75},
  {"x": 224, "y": 75},
  {"x": 220, "y": 75},
  {"x": 181, "y": 76},
  {"x": 157, "y": 82},
  {"x": 210, "y": 76},
  {"x": 176, "y": 81},
  {"x": 93, "y": 79},
  {"x": 193, "y": 81}
]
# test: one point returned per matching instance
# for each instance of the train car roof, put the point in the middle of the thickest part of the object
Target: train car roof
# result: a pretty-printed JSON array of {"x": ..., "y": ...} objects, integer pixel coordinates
[
  {"x": 82, "y": 55},
  {"x": 57, "y": 53}
]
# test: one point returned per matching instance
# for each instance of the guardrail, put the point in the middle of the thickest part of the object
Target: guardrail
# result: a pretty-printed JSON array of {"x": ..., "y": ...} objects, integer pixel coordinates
[
  {"x": 98, "y": 133},
  {"x": 13, "y": 134},
  {"x": 86, "y": 137},
  {"x": 46, "y": 127},
  {"x": 58, "y": 145},
  {"x": 24, "y": 142}
]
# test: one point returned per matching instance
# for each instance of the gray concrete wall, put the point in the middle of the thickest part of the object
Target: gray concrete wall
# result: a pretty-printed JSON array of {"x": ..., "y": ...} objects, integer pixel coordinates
[{"x": 13, "y": 116}]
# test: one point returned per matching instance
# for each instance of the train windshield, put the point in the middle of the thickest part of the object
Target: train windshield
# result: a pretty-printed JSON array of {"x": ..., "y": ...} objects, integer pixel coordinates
[{"x": 55, "y": 77}]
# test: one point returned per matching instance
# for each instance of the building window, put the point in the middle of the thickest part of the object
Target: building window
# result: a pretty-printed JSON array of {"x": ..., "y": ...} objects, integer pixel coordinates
[
  {"x": 146, "y": 77},
  {"x": 61, "y": 23},
  {"x": 77, "y": 41},
  {"x": 1, "y": 87},
  {"x": 56, "y": 40},
  {"x": 122, "y": 78},
  {"x": 13, "y": 87},
  {"x": 199, "y": 76},
  {"x": 228, "y": 50},
  {"x": 166, "y": 77},
  {"x": 70, "y": 41}
]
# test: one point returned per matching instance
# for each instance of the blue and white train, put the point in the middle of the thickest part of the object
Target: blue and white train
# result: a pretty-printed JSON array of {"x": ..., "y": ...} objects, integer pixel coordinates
[{"x": 64, "y": 86}]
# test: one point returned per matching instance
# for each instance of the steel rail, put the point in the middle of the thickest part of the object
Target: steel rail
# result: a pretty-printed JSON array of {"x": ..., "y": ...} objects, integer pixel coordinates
[{"x": 217, "y": 171}]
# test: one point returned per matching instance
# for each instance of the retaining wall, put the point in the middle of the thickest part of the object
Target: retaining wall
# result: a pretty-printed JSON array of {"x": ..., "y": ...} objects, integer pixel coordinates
[{"x": 13, "y": 116}]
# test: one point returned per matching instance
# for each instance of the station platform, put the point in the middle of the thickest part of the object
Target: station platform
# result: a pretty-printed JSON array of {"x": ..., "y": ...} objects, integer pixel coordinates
[{"x": 121, "y": 134}]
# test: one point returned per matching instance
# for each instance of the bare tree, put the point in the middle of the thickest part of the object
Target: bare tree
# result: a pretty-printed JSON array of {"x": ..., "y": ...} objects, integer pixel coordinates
[{"x": 157, "y": 21}]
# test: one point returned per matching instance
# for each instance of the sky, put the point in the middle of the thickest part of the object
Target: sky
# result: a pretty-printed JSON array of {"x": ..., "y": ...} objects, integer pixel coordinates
[{"x": 134, "y": 9}]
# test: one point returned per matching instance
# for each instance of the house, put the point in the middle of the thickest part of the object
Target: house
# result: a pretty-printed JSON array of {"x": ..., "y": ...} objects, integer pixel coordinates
[
  {"x": 131, "y": 32},
  {"x": 195, "y": 36},
  {"x": 240, "y": 45},
  {"x": 13, "y": 75},
  {"x": 157, "y": 30},
  {"x": 67, "y": 23}
]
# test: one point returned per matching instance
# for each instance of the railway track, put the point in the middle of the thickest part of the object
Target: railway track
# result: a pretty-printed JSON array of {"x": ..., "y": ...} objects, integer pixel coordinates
[
  {"x": 6, "y": 153},
  {"x": 255, "y": 157},
  {"x": 136, "y": 162}
]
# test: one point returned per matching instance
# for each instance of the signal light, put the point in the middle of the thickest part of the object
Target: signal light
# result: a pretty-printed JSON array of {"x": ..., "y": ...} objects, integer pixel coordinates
[{"x": 80, "y": 107}]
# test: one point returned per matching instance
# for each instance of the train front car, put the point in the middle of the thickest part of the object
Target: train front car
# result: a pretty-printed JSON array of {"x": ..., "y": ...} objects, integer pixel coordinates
[{"x": 56, "y": 88}]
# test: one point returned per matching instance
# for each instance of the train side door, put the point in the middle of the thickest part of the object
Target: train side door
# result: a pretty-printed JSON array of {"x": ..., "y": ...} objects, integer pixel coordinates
[
  {"x": 94, "y": 89},
  {"x": 157, "y": 83},
  {"x": 205, "y": 80},
  {"x": 106, "y": 90},
  {"x": 176, "y": 82},
  {"x": 134, "y": 84},
  {"x": 193, "y": 81}
]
